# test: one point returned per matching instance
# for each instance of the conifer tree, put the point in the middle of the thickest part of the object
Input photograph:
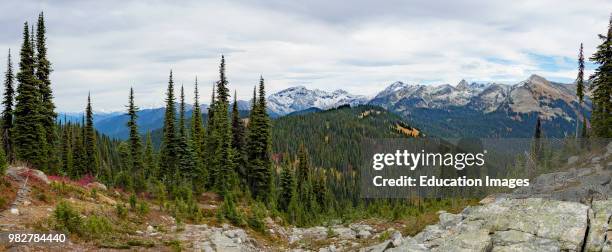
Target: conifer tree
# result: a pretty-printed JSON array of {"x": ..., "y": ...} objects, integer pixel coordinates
[
  {"x": 259, "y": 148},
  {"x": 67, "y": 152},
  {"x": 303, "y": 170},
  {"x": 134, "y": 139},
  {"x": 7, "y": 112},
  {"x": 601, "y": 118},
  {"x": 286, "y": 188},
  {"x": 223, "y": 162},
  {"x": 91, "y": 157},
  {"x": 28, "y": 133},
  {"x": 150, "y": 164},
  {"x": 168, "y": 151},
  {"x": 198, "y": 136},
  {"x": 210, "y": 141},
  {"x": 580, "y": 89},
  {"x": 185, "y": 153},
  {"x": 238, "y": 141},
  {"x": 78, "y": 150},
  {"x": 47, "y": 108}
]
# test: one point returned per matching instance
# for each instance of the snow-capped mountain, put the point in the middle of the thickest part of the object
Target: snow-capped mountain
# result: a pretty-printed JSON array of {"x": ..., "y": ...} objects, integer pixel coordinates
[
  {"x": 535, "y": 94},
  {"x": 300, "y": 98},
  {"x": 487, "y": 109}
]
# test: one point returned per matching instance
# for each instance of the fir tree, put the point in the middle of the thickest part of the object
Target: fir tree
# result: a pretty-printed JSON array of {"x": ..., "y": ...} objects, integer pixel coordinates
[
  {"x": 185, "y": 153},
  {"x": 47, "y": 108},
  {"x": 210, "y": 141},
  {"x": 286, "y": 188},
  {"x": 7, "y": 112},
  {"x": 150, "y": 163},
  {"x": 28, "y": 133},
  {"x": 601, "y": 118},
  {"x": 259, "y": 148},
  {"x": 168, "y": 152},
  {"x": 238, "y": 142},
  {"x": 198, "y": 138},
  {"x": 91, "y": 157},
  {"x": 580, "y": 89},
  {"x": 67, "y": 152},
  {"x": 223, "y": 165},
  {"x": 134, "y": 139}
]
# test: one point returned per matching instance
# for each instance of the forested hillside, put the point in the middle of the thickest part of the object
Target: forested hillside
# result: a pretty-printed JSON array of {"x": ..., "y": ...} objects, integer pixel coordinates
[{"x": 333, "y": 137}]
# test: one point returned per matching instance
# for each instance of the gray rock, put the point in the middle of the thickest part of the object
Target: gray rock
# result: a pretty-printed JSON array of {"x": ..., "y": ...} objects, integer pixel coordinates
[
  {"x": 378, "y": 247},
  {"x": 222, "y": 243},
  {"x": 449, "y": 219},
  {"x": 599, "y": 216},
  {"x": 572, "y": 160},
  {"x": 410, "y": 245},
  {"x": 476, "y": 241},
  {"x": 345, "y": 233},
  {"x": 396, "y": 239},
  {"x": 364, "y": 234}
]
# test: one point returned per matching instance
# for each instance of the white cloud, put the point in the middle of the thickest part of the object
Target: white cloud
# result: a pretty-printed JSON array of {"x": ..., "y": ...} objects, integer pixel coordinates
[{"x": 361, "y": 46}]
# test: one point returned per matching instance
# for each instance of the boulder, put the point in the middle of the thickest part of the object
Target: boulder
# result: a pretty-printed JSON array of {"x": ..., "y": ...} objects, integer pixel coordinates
[
  {"x": 97, "y": 186},
  {"x": 599, "y": 216},
  {"x": 20, "y": 173},
  {"x": 449, "y": 219},
  {"x": 476, "y": 241},
  {"x": 572, "y": 160},
  {"x": 345, "y": 233}
]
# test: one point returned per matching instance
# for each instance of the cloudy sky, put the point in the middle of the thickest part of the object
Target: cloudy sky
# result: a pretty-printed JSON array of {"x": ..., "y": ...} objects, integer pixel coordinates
[{"x": 357, "y": 45}]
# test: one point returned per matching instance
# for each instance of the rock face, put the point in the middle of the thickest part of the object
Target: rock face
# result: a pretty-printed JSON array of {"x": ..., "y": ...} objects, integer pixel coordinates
[
  {"x": 532, "y": 224},
  {"x": 204, "y": 238}
]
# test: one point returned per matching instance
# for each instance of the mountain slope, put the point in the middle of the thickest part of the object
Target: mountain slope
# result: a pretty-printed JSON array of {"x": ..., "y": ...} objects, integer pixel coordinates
[
  {"x": 486, "y": 110},
  {"x": 333, "y": 137}
]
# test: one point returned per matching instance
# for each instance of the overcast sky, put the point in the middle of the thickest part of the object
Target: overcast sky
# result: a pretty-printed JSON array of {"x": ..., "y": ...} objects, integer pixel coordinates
[{"x": 360, "y": 46}]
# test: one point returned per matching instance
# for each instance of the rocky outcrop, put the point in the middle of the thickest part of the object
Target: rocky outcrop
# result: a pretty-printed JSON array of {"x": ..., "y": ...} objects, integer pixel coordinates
[
  {"x": 205, "y": 238},
  {"x": 533, "y": 224},
  {"x": 563, "y": 211}
]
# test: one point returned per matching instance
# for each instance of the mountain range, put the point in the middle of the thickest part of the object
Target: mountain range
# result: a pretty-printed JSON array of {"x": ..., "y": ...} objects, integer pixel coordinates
[{"x": 461, "y": 110}]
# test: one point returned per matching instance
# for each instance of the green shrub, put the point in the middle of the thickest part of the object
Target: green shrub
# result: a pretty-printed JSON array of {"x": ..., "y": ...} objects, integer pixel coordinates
[
  {"x": 67, "y": 219},
  {"x": 94, "y": 193},
  {"x": 256, "y": 219},
  {"x": 121, "y": 211},
  {"x": 143, "y": 208},
  {"x": 97, "y": 227},
  {"x": 133, "y": 202}
]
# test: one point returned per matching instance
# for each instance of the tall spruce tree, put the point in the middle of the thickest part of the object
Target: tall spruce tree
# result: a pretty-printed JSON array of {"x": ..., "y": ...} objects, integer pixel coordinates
[
  {"x": 168, "y": 151},
  {"x": 239, "y": 142},
  {"x": 198, "y": 136},
  {"x": 7, "y": 111},
  {"x": 259, "y": 148},
  {"x": 223, "y": 163},
  {"x": 580, "y": 91},
  {"x": 134, "y": 139},
  {"x": 287, "y": 187},
  {"x": 28, "y": 133},
  {"x": 601, "y": 86},
  {"x": 47, "y": 107},
  {"x": 67, "y": 152},
  {"x": 185, "y": 153},
  {"x": 91, "y": 155},
  {"x": 210, "y": 141}
]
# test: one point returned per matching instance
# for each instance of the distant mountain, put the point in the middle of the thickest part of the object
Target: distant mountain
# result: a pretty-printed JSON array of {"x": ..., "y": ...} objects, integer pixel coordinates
[
  {"x": 486, "y": 110},
  {"x": 300, "y": 98},
  {"x": 115, "y": 124}
]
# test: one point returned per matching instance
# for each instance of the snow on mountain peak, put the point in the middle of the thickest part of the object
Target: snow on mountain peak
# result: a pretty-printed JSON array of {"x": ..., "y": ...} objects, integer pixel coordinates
[{"x": 299, "y": 98}]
